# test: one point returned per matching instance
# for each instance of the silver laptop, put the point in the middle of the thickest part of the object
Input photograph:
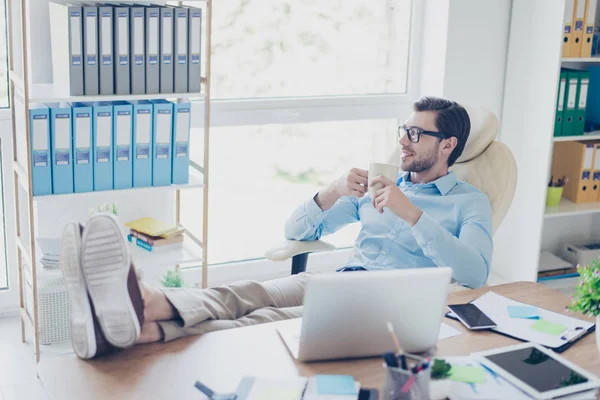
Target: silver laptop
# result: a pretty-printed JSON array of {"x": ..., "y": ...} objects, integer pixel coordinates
[{"x": 346, "y": 313}]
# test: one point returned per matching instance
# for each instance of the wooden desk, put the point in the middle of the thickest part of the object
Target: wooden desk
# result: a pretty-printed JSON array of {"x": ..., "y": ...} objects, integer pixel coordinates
[{"x": 221, "y": 359}]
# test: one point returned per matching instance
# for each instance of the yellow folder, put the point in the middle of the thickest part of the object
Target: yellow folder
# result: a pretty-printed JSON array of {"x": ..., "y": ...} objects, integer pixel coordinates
[
  {"x": 568, "y": 27},
  {"x": 575, "y": 160},
  {"x": 577, "y": 36},
  {"x": 588, "y": 28},
  {"x": 596, "y": 173}
]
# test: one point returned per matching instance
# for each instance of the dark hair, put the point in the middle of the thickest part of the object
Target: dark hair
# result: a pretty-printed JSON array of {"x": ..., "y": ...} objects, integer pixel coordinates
[{"x": 451, "y": 119}]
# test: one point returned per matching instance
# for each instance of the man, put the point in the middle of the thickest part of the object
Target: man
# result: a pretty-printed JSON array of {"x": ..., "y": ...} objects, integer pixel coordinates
[{"x": 425, "y": 219}]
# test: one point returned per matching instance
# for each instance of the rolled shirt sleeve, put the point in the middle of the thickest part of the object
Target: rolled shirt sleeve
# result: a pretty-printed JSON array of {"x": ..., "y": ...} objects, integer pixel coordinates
[{"x": 309, "y": 222}]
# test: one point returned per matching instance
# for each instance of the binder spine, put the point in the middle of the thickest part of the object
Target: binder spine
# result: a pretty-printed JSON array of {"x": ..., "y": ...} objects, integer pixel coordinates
[
  {"x": 181, "y": 138},
  {"x": 166, "y": 50},
  {"x": 41, "y": 170},
  {"x": 142, "y": 143},
  {"x": 180, "y": 75},
  {"x": 122, "y": 79},
  {"x": 195, "y": 45},
  {"x": 152, "y": 50},
  {"x": 163, "y": 136},
  {"x": 105, "y": 35},
  {"x": 122, "y": 155},
  {"x": 75, "y": 51},
  {"x": 90, "y": 30},
  {"x": 138, "y": 50},
  {"x": 83, "y": 167}
]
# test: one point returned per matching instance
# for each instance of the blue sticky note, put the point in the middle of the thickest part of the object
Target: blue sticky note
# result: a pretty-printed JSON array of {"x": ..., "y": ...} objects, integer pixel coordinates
[
  {"x": 336, "y": 384},
  {"x": 527, "y": 312}
]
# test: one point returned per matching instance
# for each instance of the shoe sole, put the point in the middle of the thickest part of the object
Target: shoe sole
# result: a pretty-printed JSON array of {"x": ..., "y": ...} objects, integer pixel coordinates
[
  {"x": 83, "y": 337},
  {"x": 105, "y": 265}
]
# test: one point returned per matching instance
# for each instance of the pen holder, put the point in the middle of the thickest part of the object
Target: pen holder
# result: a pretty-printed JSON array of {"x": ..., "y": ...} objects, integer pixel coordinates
[
  {"x": 553, "y": 196},
  {"x": 401, "y": 384}
]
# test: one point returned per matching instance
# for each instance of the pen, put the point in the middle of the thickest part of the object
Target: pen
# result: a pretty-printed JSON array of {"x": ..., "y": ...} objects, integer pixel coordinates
[
  {"x": 397, "y": 343},
  {"x": 391, "y": 360}
]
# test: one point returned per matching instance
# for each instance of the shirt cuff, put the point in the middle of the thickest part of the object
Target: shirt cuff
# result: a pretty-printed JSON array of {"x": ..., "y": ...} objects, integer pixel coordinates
[
  {"x": 313, "y": 212},
  {"x": 424, "y": 230}
]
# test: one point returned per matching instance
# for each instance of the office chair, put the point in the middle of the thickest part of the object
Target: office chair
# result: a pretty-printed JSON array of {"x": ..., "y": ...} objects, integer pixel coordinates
[{"x": 485, "y": 163}]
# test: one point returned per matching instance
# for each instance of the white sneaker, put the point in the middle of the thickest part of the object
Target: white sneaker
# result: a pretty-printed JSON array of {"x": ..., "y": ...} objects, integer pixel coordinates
[
  {"x": 106, "y": 267},
  {"x": 82, "y": 321}
]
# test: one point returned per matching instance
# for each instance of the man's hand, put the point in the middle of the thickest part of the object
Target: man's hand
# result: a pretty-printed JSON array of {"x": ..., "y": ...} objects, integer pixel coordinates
[
  {"x": 391, "y": 196},
  {"x": 352, "y": 183}
]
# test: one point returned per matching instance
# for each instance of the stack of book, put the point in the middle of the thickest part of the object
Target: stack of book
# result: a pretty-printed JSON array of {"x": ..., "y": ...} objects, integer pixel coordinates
[
  {"x": 552, "y": 267},
  {"x": 153, "y": 235},
  {"x": 50, "y": 248}
]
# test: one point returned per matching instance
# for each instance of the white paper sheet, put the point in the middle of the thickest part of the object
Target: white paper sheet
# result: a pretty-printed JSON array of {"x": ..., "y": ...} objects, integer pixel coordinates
[
  {"x": 495, "y": 307},
  {"x": 446, "y": 331}
]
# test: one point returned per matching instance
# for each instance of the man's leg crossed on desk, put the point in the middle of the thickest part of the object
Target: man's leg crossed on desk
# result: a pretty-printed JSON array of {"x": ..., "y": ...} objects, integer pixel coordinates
[{"x": 112, "y": 309}]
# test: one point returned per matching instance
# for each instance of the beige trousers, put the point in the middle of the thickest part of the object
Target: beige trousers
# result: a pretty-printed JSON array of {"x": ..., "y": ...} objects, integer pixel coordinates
[{"x": 243, "y": 303}]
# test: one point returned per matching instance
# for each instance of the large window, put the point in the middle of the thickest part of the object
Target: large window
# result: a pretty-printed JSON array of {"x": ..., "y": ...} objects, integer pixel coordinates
[
  {"x": 260, "y": 174},
  {"x": 302, "y": 92},
  {"x": 289, "y": 48}
]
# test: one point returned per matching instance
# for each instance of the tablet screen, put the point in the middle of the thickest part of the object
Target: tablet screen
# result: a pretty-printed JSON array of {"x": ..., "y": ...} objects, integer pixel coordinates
[{"x": 537, "y": 369}]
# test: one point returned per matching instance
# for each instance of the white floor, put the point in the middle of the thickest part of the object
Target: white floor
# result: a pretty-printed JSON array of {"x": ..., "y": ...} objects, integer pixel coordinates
[{"x": 18, "y": 379}]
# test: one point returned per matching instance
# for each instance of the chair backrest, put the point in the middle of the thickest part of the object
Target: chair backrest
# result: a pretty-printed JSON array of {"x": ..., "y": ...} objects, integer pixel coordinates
[{"x": 485, "y": 163}]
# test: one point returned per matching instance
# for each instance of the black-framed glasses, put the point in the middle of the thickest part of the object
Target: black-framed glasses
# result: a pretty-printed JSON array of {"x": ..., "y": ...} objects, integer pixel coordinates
[{"x": 414, "y": 134}]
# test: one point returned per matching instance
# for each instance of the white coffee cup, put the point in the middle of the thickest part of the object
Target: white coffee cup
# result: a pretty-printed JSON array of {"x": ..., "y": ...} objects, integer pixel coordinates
[{"x": 387, "y": 170}]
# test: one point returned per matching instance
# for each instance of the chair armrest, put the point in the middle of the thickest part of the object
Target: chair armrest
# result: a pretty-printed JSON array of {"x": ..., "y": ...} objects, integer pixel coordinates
[{"x": 290, "y": 248}]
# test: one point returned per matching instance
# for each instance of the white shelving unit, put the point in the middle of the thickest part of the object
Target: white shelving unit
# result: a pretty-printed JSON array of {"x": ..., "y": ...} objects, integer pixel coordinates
[
  {"x": 567, "y": 208},
  {"x": 527, "y": 127},
  {"x": 580, "y": 60},
  {"x": 595, "y": 135},
  {"x": 31, "y": 81}
]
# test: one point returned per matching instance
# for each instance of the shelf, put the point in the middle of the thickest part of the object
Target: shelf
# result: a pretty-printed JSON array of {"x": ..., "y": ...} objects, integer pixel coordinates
[
  {"x": 577, "y": 59},
  {"x": 568, "y": 208},
  {"x": 50, "y": 93},
  {"x": 594, "y": 135},
  {"x": 187, "y": 252},
  {"x": 196, "y": 181}
]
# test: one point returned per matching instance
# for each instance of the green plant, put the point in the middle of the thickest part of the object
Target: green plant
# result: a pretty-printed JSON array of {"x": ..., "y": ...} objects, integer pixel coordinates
[
  {"x": 586, "y": 298},
  {"x": 105, "y": 208},
  {"x": 172, "y": 279},
  {"x": 441, "y": 369}
]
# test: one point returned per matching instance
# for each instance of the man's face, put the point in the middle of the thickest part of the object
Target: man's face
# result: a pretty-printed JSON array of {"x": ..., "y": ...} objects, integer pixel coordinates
[{"x": 421, "y": 156}]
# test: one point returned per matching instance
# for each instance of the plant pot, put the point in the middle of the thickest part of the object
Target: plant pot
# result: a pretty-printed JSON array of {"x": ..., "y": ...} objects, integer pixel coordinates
[{"x": 553, "y": 196}]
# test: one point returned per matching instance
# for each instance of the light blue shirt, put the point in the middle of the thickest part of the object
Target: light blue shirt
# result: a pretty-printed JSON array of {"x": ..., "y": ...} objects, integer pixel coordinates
[{"x": 455, "y": 229}]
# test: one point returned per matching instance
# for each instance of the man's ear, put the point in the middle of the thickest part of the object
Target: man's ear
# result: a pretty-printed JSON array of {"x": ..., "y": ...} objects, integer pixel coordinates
[{"x": 450, "y": 144}]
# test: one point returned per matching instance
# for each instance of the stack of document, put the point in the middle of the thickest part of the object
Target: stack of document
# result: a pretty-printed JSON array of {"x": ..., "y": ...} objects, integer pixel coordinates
[{"x": 50, "y": 248}]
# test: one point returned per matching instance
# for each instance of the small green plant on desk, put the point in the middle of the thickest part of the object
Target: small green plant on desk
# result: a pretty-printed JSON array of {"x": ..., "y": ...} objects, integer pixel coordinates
[
  {"x": 586, "y": 298},
  {"x": 440, "y": 370},
  {"x": 172, "y": 279}
]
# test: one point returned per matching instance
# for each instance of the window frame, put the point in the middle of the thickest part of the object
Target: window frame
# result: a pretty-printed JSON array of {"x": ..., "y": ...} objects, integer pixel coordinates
[
  {"x": 9, "y": 299},
  {"x": 290, "y": 110}
]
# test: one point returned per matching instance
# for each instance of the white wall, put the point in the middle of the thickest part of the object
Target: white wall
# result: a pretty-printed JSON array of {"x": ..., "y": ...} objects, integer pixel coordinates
[
  {"x": 526, "y": 127},
  {"x": 477, "y": 47},
  {"x": 465, "y": 43}
]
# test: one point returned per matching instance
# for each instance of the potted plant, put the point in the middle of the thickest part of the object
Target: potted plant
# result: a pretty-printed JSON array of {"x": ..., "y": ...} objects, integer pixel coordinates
[
  {"x": 555, "y": 191},
  {"x": 586, "y": 298},
  {"x": 173, "y": 279}
]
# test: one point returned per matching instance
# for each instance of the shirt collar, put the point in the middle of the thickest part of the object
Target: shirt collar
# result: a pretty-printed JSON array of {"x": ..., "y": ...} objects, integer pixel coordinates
[{"x": 444, "y": 183}]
